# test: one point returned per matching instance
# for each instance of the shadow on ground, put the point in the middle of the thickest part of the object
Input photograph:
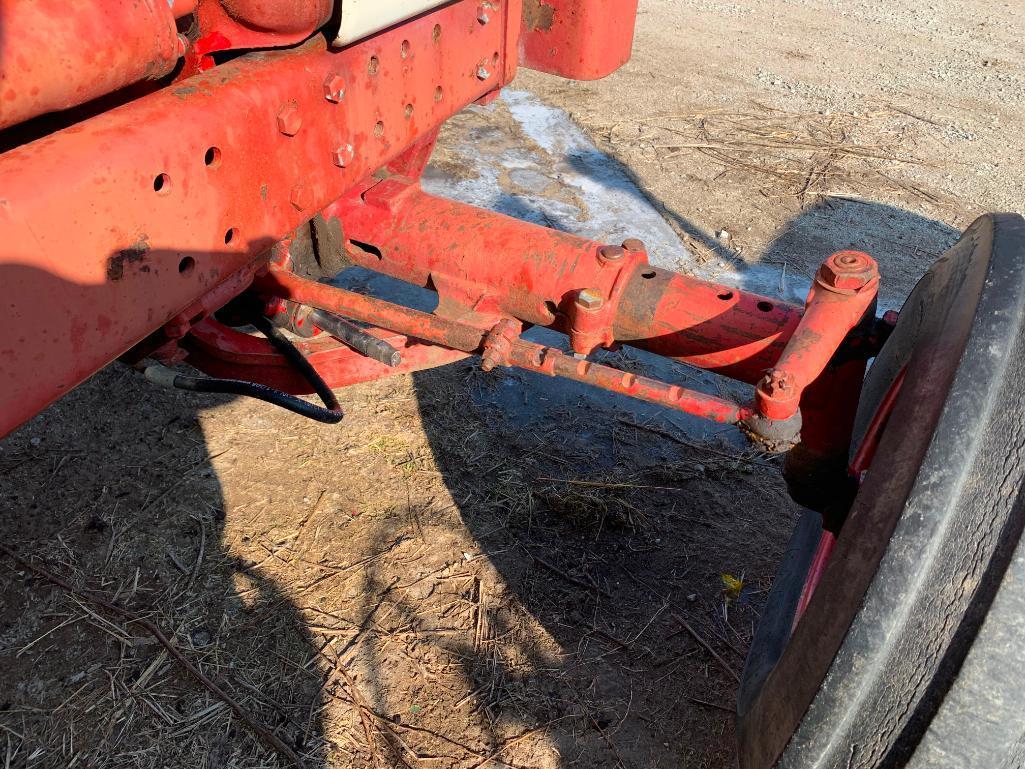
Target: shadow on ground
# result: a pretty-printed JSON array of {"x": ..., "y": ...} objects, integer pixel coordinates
[{"x": 472, "y": 570}]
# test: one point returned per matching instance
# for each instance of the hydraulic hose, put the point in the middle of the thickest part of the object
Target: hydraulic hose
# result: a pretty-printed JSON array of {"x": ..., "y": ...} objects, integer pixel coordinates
[{"x": 330, "y": 413}]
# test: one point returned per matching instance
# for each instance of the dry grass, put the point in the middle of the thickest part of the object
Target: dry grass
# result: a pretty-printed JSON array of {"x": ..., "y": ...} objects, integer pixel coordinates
[
  {"x": 429, "y": 585},
  {"x": 785, "y": 154}
]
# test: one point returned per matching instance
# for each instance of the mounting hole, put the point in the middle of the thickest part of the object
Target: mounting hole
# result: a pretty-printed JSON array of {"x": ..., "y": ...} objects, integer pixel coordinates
[
  {"x": 765, "y": 306},
  {"x": 436, "y": 34},
  {"x": 186, "y": 265},
  {"x": 726, "y": 296},
  {"x": 162, "y": 184},
  {"x": 212, "y": 157},
  {"x": 409, "y": 111},
  {"x": 373, "y": 65},
  {"x": 648, "y": 275},
  {"x": 230, "y": 235},
  {"x": 379, "y": 128},
  {"x": 438, "y": 93},
  {"x": 494, "y": 59},
  {"x": 404, "y": 49}
]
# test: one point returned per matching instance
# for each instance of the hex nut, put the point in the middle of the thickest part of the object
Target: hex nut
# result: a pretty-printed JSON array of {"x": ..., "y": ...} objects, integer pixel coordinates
[
  {"x": 334, "y": 88},
  {"x": 846, "y": 271},
  {"x": 590, "y": 299},
  {"x": 289, "y": 120}
]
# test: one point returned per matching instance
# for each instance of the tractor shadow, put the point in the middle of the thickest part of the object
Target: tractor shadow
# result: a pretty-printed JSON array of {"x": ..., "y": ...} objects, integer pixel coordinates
[{"x": 537, "y": 585}]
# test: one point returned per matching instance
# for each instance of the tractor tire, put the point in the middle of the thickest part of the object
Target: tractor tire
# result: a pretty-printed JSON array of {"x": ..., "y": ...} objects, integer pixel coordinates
[{"x": 911, "y": 652}]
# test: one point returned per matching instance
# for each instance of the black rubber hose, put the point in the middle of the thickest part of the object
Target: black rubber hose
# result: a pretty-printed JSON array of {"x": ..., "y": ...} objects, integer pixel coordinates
[{"x": 332, "y": 414}]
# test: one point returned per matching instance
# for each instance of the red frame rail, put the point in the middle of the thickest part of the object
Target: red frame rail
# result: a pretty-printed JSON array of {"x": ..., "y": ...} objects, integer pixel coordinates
[{"x": 173, "y": 203}]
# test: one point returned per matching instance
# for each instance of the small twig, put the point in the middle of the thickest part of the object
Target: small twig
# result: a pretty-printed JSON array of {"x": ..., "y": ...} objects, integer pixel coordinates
[
  {"x": 723, "y": 708},
  {"x": 572, "y": 580},
  {"x": 268, "y": 737},
  {"x": 715, "y": 655},
  {"x": 199, "y": 556}
]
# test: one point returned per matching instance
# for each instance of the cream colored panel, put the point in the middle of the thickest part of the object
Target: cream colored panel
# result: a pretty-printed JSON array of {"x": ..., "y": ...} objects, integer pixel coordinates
[{"x": 364, "y": 17}]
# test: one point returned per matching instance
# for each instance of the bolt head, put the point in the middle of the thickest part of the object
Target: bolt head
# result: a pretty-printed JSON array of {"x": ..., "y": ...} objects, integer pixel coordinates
[
  {"x": 289, "y": 120},
  {"x": 300, "y": 197},
  {"x": 483, "y": 73},
  {"x": 611, "y": 253},
  {"x": 635, "y": 245},
  {"x": 343, "y": 156},
  {"x": 334, "y": 88},
  {"x": 590, "y": 299},
  {"x": 482, "y": 13},
  {"x": 847, "y": 271}
]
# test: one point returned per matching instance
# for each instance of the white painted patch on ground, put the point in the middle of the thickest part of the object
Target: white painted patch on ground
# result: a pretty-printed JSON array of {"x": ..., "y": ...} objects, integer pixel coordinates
[{"x": 560, "y": 179}]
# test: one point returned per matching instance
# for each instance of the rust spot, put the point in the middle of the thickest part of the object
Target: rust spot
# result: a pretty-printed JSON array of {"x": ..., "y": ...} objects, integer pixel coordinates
[
  {"x": 538, "y": 16},
  {"x": 134, "y": 253}
]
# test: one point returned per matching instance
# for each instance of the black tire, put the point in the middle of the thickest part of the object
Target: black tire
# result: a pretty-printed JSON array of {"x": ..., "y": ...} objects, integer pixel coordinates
[{"x": 912, "y": 650}]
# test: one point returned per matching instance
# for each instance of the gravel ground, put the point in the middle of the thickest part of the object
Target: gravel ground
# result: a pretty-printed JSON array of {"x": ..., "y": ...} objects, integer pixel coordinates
[{"x": 441, "y": 581}]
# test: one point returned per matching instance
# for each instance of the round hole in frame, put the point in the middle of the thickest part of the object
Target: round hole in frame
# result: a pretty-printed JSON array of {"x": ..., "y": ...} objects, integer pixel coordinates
[
  {"x": 408, "y": 111},
  {"x": 726, "y": 296},
  {"x": 212, "y": 157},
  {"x": 379, "y": 128},
  {"x": 648, "y": 275},
  {"x": 438, "y": 93},
  {"x": 373, "y": 65},
  {"x": 495, "y": 59},
  {"x": 765, "y": 306},
  {"x": 230, "y": 235},
  {"x": 404, "y": 49},
  {"x": 436, "y": 34},
  {"x": 161, "y": 184},
  {"x": 186, "y": 265}
]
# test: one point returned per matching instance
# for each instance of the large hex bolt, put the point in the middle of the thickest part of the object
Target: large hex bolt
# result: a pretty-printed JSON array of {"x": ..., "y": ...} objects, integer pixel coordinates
[
  {"x": 289, "y": 120},
  {"x": 334, "y": 88},
  {"x": 590, "y": 299},
  {"x": 847, "y": 271}
]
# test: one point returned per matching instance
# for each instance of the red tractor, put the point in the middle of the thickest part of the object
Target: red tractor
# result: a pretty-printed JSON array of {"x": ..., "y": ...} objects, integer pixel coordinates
[{"x": 174, "y": 173}]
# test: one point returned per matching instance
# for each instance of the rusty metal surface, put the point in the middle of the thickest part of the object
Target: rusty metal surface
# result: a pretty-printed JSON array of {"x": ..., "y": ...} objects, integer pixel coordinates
[
  {"x": 162, "y": 199},
  {"x": 225, "y": 352},
  {"x": 501, "y": 346},
  {"x": 492, "y": 265},
  {"x": 578, "y": 39},
  {"x": 56, "y": 55},
  {"x": 843, "y": 294}
]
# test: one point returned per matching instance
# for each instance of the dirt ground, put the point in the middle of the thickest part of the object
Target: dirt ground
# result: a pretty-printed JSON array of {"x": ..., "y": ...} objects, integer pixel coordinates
[{"x": 443, "y": 582}]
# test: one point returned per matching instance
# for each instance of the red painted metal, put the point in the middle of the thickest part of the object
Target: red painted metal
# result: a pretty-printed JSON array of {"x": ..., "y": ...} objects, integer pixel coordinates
[
  {"x": 866, "y": 450},
  {"x": 501, "y": 346},
  {"x": 55, "y": 55},
  {"x": 169, "y": 205},
  {"x": 491, "y": 265},
  {"x": 859, "y": 465},
  {"x": 285, "y": 284},
  {"x": 843, "y": 293},
  {"x": 166, "y": 197},
  {"x": 262, "y": 23},
  {"x": 578, "y": 39},
  {"x": 823, "y": 552},
  {"x": 226, "y": 352}
]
